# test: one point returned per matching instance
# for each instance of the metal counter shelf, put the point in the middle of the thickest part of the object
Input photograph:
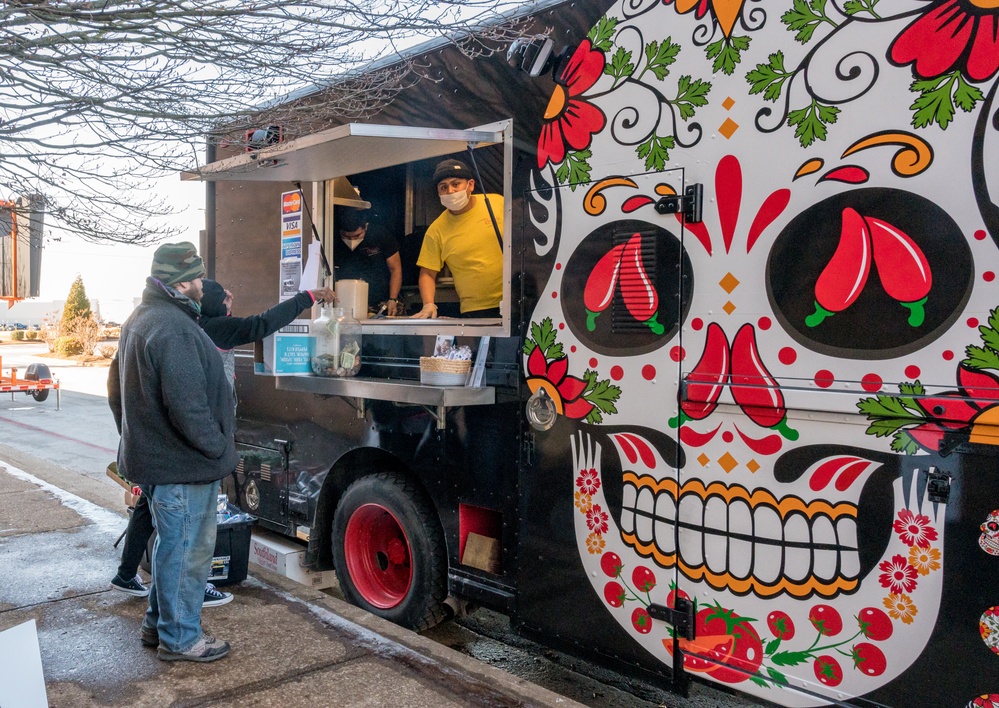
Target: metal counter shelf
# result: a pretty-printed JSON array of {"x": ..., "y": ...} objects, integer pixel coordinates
[{"x": 436, "y": 399}]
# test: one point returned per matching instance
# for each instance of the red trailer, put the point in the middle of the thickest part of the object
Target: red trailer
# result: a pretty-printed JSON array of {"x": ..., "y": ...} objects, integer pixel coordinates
[{"x": 37, "y": 382}]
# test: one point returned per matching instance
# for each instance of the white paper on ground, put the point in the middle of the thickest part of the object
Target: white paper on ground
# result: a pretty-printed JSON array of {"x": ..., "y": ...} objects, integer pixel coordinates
[
  {"x": 22, "y": 683},
  {"x": 310, "y": 274}
]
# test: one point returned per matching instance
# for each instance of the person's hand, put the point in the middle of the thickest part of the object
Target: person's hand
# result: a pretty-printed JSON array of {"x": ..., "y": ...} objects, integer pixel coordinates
[
  {"x": 428, "y": 312},
  {"x": 324, "y": 295},
  {"x": 392, "y": 307}
]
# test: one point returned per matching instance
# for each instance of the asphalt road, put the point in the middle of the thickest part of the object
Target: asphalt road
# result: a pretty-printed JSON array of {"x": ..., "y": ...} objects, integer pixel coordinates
[{"x": 81, "y": 437}]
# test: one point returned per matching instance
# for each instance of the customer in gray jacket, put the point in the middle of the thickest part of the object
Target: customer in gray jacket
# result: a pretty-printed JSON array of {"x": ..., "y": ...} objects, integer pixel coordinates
[{"x": 173, "y": 406}]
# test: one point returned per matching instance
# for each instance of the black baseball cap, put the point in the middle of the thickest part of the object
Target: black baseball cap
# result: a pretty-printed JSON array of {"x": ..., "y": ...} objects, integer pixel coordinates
[{"x": 451, "y": 168}]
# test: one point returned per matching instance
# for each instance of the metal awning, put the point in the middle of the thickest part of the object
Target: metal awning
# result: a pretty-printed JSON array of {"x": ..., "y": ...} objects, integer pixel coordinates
[{"x": 345, "y": 150}]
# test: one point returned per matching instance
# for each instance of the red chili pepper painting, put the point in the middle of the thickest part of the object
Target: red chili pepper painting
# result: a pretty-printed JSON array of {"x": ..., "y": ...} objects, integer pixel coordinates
[
  {"x": 754, "y": 389},
  {"x": 640, "y": 296},
  {"x": 902, "y": 268},
  {"x": 845, "y": 275},
  {"x": 622, "y": 269},
  {"x": 706, "y": 380},
  {"x": 600, "y": 286}
]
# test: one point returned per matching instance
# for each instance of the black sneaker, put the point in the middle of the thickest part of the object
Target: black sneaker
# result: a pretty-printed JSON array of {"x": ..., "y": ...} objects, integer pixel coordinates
[
  {"x": 131, "y": 587},
  {"x": 149, "y": 637},
  {"x": 214, "y": 598},
  {"x": 207, "y": 649}
]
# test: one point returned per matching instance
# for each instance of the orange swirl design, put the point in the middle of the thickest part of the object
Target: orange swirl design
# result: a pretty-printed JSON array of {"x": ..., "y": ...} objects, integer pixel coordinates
[
  {"x": 594, "y": 203},
  {"x": 914, "y": 156},
  {"x": 809, "y": 167}
]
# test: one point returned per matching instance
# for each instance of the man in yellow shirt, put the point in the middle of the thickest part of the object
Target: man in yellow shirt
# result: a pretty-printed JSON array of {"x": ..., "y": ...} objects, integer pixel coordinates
[{"x": 464, "y": 239}]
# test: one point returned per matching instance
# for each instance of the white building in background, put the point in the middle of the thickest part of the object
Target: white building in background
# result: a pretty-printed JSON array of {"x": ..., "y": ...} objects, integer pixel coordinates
[{"x": 35, "y": 312}]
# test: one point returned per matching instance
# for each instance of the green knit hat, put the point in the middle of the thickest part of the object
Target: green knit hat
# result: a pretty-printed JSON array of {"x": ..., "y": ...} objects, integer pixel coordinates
[{"x": 177, "y": 263}]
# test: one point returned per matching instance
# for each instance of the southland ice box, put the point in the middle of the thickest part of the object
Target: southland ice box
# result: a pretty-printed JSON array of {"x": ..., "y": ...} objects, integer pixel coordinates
[
  {"x": 287, "y": 352},
  {"x": 282, "y": 556}
]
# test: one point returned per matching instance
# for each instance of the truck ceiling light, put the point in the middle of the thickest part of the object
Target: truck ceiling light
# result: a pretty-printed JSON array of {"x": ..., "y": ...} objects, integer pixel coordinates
[{"x": 535, "y": 55}]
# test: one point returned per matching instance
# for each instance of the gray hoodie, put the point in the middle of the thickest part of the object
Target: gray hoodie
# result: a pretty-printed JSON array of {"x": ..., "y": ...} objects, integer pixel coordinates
[{"x": 170, "y": 396}]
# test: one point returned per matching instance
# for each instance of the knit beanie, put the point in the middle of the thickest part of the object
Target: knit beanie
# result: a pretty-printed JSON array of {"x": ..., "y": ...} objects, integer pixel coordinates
[
  {"x": 177, "y": 263},
  {"x": 212, "y": 299}
]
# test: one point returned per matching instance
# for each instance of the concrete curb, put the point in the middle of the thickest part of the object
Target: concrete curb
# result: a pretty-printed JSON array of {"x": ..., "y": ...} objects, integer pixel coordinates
[{"x": 427, "y": 649}]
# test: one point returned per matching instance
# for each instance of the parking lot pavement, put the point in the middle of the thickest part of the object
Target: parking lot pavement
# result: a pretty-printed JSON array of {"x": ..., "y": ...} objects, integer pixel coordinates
[{"x": 79, "y": 435}]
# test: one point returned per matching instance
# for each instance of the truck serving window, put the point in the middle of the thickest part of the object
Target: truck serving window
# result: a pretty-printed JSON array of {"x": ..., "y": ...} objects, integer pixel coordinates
[{"x": 383, "y": 158}]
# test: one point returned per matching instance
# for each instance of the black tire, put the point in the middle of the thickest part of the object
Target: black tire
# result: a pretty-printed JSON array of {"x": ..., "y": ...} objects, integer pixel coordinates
[
  {"x": 391, "y": 561},
  {"x": 34, "y": 372}
]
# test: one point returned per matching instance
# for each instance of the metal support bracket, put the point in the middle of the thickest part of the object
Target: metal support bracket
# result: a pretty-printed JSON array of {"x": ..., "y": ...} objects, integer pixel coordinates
[
  {"x": 689, "y": 204},
  {"x": 440, "y": 415},
  {"x": 358, "y": 404}
]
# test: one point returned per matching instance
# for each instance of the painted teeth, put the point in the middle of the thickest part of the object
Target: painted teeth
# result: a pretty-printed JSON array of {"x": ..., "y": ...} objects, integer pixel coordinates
[{"x": 740, "y": 540}]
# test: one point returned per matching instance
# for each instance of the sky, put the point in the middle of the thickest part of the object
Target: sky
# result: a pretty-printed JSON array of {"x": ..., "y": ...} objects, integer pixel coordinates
[{"x": 115, "y": 271}]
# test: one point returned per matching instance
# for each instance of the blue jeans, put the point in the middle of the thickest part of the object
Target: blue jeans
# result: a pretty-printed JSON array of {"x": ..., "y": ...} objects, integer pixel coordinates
[{"x": 184, "y": 517}]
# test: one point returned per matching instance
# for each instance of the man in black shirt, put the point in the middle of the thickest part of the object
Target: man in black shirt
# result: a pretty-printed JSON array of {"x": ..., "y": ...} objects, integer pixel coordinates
[{"x": 370, "y": 254}]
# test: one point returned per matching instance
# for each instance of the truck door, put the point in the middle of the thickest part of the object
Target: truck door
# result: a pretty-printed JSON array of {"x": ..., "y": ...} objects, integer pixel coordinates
[{"x": 603, "y": 353}]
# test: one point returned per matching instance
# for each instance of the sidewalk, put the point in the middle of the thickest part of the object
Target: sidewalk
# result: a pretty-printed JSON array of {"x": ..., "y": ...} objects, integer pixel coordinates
[{"x": 292, "y": 646}]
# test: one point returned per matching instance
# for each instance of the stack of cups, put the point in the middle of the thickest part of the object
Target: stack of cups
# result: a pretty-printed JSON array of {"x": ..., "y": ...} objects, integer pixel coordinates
[{"x": 352, "y": 295}]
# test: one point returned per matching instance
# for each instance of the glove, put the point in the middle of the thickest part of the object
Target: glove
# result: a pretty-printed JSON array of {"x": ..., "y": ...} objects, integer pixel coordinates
[{"x": 428, "y": 312}]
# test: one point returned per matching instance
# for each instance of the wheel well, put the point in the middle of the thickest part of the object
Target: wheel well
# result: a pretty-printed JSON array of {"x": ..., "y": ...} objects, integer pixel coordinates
[{"x": 350, "y": 467}]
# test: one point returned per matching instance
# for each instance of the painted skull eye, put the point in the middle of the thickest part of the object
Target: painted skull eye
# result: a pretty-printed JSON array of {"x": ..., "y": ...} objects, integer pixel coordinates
[{"x": 992, "y": 526}]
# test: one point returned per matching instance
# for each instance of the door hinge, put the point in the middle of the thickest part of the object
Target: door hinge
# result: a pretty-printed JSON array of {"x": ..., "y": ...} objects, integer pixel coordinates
[
  {"x": 937, "y": 486},
  {"x": 689, "y": 204},
  {"x": 680, "y": 616}
]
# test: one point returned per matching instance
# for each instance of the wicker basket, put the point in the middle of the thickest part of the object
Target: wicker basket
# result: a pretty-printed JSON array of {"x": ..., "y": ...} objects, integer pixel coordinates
[{"x": 443, "y": 372}]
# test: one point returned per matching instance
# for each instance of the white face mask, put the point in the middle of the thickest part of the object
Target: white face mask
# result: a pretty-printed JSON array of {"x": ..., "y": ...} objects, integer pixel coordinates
[{"x": 456, "y": 201}]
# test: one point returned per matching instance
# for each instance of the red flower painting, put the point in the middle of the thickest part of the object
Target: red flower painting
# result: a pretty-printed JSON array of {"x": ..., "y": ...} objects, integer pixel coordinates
[
  {"x": 914, "y": 529},
  {"x": 588, "y": 481},
  {"x": 596, "y": 520},
  {"x": 565, "y": 389},
  {"x": 951, "y": 35},
  {"x": 569, "y": 120},
  {"x": 897, "y": 575}
]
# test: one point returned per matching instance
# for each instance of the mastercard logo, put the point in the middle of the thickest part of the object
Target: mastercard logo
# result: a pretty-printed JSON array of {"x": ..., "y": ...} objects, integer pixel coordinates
[{"x": 291, "y": 203}]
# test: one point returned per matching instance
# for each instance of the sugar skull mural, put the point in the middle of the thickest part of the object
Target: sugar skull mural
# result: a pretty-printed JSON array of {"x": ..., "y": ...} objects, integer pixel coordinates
[
  {"x": 989, "y": 540},
  {"x": 794, "y": 377}
]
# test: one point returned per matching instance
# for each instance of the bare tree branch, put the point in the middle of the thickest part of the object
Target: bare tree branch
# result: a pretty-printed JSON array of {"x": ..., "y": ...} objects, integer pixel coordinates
[{"x": 97, "y": 97}]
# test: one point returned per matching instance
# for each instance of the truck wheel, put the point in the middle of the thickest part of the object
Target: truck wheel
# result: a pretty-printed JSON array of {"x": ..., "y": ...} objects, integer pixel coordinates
[
  {"x": 40, "y": 395},
  {"x": 388, "y": 548}
]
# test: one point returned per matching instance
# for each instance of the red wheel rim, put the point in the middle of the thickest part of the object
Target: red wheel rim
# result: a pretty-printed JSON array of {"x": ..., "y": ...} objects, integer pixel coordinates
[{"x": 378, "y": 556}]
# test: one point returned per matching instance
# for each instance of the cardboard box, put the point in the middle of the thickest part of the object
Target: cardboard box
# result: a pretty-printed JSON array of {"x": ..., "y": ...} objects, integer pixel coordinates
[
  {"x": 131, "y": 490},
  {"x": 482, "y": 552},
  {"x": 283, "y": 556},
  {"x": 287, "y": 352},
  {"x": 112, "y": 473}
]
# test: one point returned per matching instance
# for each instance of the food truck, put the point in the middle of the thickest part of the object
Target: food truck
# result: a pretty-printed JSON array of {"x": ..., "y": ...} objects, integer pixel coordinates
[{"x": 737, "y": 419}]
